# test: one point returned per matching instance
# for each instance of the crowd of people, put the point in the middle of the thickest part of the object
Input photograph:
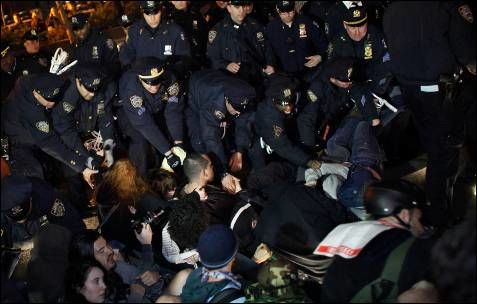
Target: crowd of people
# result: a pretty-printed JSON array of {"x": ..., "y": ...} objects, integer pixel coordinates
[{"x": 236, "y": 151}]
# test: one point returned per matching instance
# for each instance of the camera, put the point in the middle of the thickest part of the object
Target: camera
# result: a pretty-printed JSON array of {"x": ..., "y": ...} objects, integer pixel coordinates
[{"x": 149, "y": 218}]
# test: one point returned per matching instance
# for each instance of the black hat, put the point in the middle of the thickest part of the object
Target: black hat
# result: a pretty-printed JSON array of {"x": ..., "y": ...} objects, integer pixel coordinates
[
  {"x": 15, "y": 191},
  {"x": 30, "y": 35},
  {"x": 151, "y": 7},
  {"x": 239, "y": 92},
  {"x": 340, "y": 68},
  {"x": 356, "y": 15},
  {"x": 47, "y": 85},
  {"x": 281, "y": 89},
  {"x": 240, "y": 2},
  {"x": 285, "y": 6},
  {"x": 217, "y": 246},
  {"x": 151, "y": 70},
  {"x": 90, "y": 76},
  {"x": 78, "y": 21}
]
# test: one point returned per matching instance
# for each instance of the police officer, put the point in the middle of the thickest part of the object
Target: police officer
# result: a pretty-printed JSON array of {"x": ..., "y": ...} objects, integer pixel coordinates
[
  {"x": 195, "y": 28},
  {"x": 83, "y": 117},
  {"x": 215, "y": 11},
  {"x": 35, "y": 60},
  {"x": 151, "y": 112},
  {"x": 8, "y": 65},
  {"x": 297, "y": 41},
  {"x": 27, "y": 204},
  {"x": 420, "y": 59},
  {"x": 275, "y": 131},
  {"x": 219, "y": 120},
  {"x": 26, "y": 121},
  {"x": 93, "y": 46},
  {"x": 237, "y": 44},
  {"x": 153, "y": 36}
]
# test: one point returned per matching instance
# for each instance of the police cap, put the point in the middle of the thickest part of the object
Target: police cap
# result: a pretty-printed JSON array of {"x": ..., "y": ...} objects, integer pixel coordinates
[
  {"x": 356, "y": 15},
  {"x": 340, "y": 68},
  {"x": 151, "y": 70},
  {"x": 286, "y": 6},
  {"x": 16, "y": 190},
  {"x": 151, "y": 7},
  {"x": 31, "y": 35},
  {"x": 90, "y": 76},
  {"x": 78, "y": 21},
  {"x": 240, "y": 2},
  {"x": 281, "y": 90},
  {"x": 47, "y": 85},
  {"x": 239, "y": 93}
]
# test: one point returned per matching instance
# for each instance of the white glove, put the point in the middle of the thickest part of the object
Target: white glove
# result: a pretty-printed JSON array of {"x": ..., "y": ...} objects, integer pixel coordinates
[{"x": 338, "y": 169}]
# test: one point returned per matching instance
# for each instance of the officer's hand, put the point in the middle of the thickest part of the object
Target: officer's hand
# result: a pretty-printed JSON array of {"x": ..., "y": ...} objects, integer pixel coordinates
[
  {"x": 173, "y": 160},
  {"x": 314, "y": 164},
  {"x": 88, "y": 176},
  {"x": 269, "y": 70},
  {"x": 235, "y": 163},
  {"x": 375, "y": 122},
  {"x": 337, "y": 169},
  {"x": 229, "y": 183},
  {"x": 233, "y": 67},
  {"x": 145, "y": 237},
  {"x": 149, "y": 278},
  {"x": 341, "y": 84},
  {"x": 312, "y": 61}
]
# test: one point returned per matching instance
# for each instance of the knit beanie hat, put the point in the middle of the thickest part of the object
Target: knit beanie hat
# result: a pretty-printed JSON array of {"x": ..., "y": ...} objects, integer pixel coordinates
[{"x": 217, "y": 246}]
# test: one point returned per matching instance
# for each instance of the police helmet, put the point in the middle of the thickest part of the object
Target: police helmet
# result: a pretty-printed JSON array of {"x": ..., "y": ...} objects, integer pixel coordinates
[{"x": 390, "y": 197}]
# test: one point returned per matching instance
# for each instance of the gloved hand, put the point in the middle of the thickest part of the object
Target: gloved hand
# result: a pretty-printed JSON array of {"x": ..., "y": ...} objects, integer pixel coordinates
[
  {"x": 173, "y": 160},
  {"x": 108, "y": 152},
  {"x": 179, "y": 145},
  {"x": 314, "y": 164},
  {"x": 337, "y": 169}
]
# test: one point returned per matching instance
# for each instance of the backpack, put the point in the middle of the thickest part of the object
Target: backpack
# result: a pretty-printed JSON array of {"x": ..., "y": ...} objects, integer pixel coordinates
[{"x": 385, "y": 288}]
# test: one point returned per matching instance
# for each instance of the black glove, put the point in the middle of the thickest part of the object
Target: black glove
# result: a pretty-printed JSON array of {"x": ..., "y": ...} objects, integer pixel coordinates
[{"x": 173, "y": 160}]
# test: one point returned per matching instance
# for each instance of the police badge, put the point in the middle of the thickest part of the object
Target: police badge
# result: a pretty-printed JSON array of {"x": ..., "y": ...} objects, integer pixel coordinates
[
  {"x": 100, "y": 109},
  {"x": 173, "y": 90},
  {"x": 212, "y": 35},
  {"x": 67, "y": 107},
  {"x": 302, "y": 29},
  {"x": 260, "y": 36},
  {"x": 43, "y": 126},
  {"x": 219, "y": 115},
  {"x": 58, "y": 209},
  {"x": 94, "y": 52},
  {"x": 110, "y": 43},
  {"x": 368, "y": 51},
  {"x": 136, "y": 101},
  {"x": 277, "y": 131},
  {"x": 311, "y": 96}
]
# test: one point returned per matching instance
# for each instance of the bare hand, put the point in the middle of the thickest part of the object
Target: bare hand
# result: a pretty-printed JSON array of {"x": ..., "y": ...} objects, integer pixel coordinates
[
  {"x": 229, "y": 183},
  {"x": 269, "y": 70},
  {"x": 235, "y": 163},
  {"x": 341, "y": 84},
  {"x": 375, "y": 122},
  {"x": 149, "y": 278},
  {"x": 193, "y": 259},
  {"x": 145, "y": 237},
  {"x": 233, "y": 67},
  {"x": 137, "y": 289},
  {"x": 312, "y": 61},
  {"x": 88, "y": 176}
]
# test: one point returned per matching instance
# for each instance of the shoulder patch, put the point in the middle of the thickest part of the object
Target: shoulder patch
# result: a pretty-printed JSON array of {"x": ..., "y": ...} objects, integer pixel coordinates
[
  {"x": 136, "y": 101},
  {"x": 43, "y": 126},
  {"x": 173, "y": 90},
  {"x": 311, "y": 96},
  {"x": 58, "y": 209},
  {"x": 110, "y": 43},
  {"x": 466, "y": 13},
  {"x": 68, "y": 107},
  {"x": 277, "y": 131},
  {"x": 212, "y": 35},
  {"x": 219, "y": 115}
]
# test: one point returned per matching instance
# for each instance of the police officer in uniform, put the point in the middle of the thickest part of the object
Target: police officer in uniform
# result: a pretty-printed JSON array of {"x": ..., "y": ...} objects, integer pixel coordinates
[
  {"x": 237, "y": 44},
  {"x": 93, "y": 46},
  {"x": 26, "y": 119},
  {"x": 298, "y": 42},
  {"x": 153, "y": 36},
  {"x": 35, "y": 60},
  {"x": 84, "y": 112},
  {"x": 152, "y": 111},
  {"x": 422, "y": 60},
  {"x": 219, "y": 120},
  {"x": 27, "y": 204},
  {"x": 195, "y": 28}
]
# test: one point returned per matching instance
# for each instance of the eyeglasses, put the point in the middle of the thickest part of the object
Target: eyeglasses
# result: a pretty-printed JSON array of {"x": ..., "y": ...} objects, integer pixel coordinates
[{"x": 152, "y": 12}]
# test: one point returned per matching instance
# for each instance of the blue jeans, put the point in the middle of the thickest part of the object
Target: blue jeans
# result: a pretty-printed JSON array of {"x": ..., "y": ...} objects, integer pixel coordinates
[{"x": 355, "y": 142}]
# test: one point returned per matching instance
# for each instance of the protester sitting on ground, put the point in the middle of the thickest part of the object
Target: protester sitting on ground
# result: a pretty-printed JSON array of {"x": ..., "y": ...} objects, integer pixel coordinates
[{"x": 378, "y": 260}]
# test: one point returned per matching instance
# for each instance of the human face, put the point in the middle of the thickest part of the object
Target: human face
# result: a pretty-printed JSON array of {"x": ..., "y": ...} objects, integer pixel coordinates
[
  {"x": 94, "y": 289},
  {"x": 32, "y": 46},
  {"x": 81, "y": 34},
  {"x": 249, "y": 8},
  {"x": 104, "y": 254},
  {"x": 153, "y": 20},
  {"x": 286, "y": 17},
  {"x": 153, "y": 89},
  {"x": 417, "y": 228},
  {"x": 180, "y": 5},
  {"x": 87, "y": 95},
  {"x": 209, "y": 170},
  {"x": 237, "y": 13},
  {"x": 356, "y": 33}
]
